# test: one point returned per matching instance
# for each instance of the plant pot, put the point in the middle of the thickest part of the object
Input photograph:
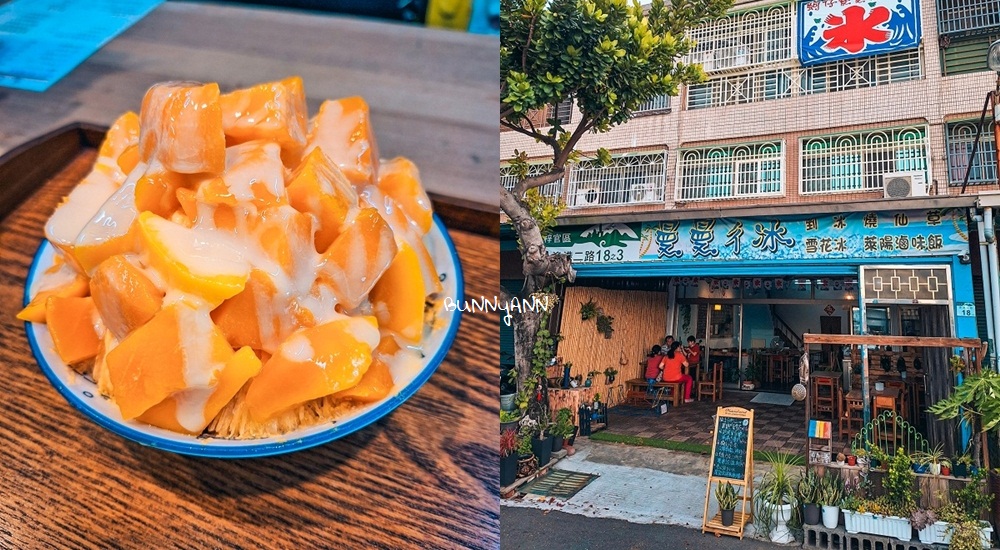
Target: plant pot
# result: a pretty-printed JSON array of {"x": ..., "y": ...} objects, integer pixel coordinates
[
  {"x": 572, "y": 438},
  {"x": 852, "y": 460},
  {"x": 920, "y": 468},
  {"x": 940, "y": 532},
  {"x": 557, "y": 443},
  {"x": 779, "y": 518},
  {"x": 961, "y": 470},
  {"x": 810, "y": 514},
  {"x": 507, "y": 401},
  {"x": 887, "y": 526},
  {"x": 945, "y": 471},
  {"x": 508, "y": 469},
  {"x": 727, "y": 517},
  {"x": 542, "y": 449},
  {"x": 526, "y": 465},
  {"x": 935, "y": 469},
  {"x": 831, "y": 516}
]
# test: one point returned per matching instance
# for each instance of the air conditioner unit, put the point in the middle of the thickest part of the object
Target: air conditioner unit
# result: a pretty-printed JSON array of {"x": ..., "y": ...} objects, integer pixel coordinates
[
  {"x": 588, "y": 195},
  {"x": 642, "y": 192},
  {"x": 898, "y": 185}
]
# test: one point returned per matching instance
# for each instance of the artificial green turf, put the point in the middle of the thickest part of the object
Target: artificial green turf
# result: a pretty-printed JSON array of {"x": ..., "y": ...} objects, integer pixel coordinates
[{"x": 677, "y": 445}]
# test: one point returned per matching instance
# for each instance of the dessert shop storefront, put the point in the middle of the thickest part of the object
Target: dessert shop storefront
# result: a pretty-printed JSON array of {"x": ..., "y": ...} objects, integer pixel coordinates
[{"x": 754, "y": 285}]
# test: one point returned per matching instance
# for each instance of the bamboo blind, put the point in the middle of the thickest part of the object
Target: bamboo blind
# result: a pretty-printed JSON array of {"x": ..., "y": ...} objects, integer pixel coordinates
[{"x": 640, "y": 321}]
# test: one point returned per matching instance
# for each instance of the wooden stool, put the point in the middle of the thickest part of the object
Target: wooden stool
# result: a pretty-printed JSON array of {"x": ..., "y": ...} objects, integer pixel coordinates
[
  {"x": 883, "y": 404},
  {"x": 853, "y": 417},
  {"x": 712, "y": 385}
]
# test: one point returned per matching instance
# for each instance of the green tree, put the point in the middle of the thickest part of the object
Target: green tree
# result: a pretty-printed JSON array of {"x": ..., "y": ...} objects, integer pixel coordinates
[
  {"x": 609, "y": 57},
  {"x": 977, "y": 401}
]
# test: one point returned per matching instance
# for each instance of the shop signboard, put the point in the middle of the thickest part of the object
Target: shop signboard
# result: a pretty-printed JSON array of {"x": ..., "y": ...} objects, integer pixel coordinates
[
  {"x": 830, "y": 30},
  {"x": 832, "y": 236}
]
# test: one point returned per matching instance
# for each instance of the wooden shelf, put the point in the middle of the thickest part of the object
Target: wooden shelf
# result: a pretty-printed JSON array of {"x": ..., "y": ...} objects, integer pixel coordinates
[{"x": 715, "y": 525}]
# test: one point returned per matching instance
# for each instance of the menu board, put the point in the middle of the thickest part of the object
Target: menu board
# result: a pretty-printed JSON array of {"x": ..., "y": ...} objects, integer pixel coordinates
[{"x": 729, "y": 457}]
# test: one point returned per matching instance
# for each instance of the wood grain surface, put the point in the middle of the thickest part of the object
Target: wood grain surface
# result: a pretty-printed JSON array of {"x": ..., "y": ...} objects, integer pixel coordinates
[
  {"x": 423, "y": 477},
  {"x": 433, "y": 93}
]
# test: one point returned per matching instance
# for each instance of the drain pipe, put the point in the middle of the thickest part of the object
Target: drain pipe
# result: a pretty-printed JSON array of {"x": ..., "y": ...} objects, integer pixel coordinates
[
  {"x": 994, "y": 282},
  {"x": 987, "y": 285}
]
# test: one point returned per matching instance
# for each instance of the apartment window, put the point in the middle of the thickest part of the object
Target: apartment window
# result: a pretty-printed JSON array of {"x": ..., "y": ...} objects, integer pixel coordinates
[
  {"x": 744, "y": 39},
  {"x": 744, "y": 88},
  {"x": 508, "y": 178},
  {"x": 629, "y": 179},
  {"x": 967, "y": 55},
  {"x": 961, "y": 16},
  {"x": 857, "y": 161},
  {"x": 563, "y": 112},
  {"x": 852, "y": 74},
  {"x": 728, "y": 172},
  {"x": 658, "y": 103},
  {"x": 960, "y": 138}
]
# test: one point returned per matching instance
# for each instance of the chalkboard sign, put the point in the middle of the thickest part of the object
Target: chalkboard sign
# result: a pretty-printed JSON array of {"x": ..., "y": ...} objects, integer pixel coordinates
[
  {"x": 731, "y": 462},
  {"x": 731, "y": 438}
]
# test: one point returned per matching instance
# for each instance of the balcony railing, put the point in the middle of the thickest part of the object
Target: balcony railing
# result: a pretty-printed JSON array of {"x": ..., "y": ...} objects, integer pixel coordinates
[
  {"x": 658, "y": 103},
  {"x": 630, "y": 179},
  {"x": 961, "y": 136},
  {"x": 967, "y": 16},
  {"x": 508, "y": 179},
  {"x": 857, "y": 161},
  {"x": 730, "y": 172},
  {"x": 744, "y": 39}
]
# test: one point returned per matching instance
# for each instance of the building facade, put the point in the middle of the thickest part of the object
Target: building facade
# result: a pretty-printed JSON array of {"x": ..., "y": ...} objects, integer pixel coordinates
[{"x": 813, "y": 183}]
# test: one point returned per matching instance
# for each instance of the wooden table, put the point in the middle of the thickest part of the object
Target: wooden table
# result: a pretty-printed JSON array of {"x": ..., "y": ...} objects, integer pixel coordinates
[
  {"x": 638, "y": 388},
  {"x": 423, "y": 477},
  {"x": 433, "y": 93}
]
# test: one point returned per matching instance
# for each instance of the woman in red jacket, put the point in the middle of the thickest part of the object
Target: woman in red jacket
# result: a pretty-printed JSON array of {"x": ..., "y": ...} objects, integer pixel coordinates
[{"x": 673, "y": 370}]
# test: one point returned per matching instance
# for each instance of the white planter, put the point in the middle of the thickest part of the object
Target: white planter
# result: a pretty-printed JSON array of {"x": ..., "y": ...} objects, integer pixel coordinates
[
  {"x": 888, "y": 526},
  {"x": 831, "y": 516},
  {"x": 780, "y": 533},
  {"x": 935, "y": 469},
  {"x": 940, "y": 533}
]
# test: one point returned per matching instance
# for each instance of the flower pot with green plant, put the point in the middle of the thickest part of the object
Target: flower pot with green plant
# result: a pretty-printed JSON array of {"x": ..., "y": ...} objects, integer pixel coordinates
[
  {"x": 945, "y": 467},
  {"x": 509, "y": 420},
  {"x": 774, "y": 499},
  {"x": 508, "y": 457},
  {"x": 609, "y": 375},
  {"x": 931, "y": 459},
  {"x": 562, "y": 429},
  {"x": 526, "y": 461},
  {"x": 829, "y": 495},
  {"x": 960, "y": 465},
  {"x": 727, "y": 498},
  {"x": 807, "y": 490},
  {"x": 541, "y": 441}
]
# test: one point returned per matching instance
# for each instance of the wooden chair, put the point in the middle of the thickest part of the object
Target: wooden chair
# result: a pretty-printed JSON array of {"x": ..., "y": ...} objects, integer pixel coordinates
[
  {"x": 890, "y": 433},
  {"x": 712, "y": 385},
  {"x": 852, "y": 419},
  {"x": 824, "y": 397}
]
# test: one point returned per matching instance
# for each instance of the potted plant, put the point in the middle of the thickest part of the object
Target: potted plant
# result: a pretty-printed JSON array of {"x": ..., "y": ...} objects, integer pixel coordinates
[
  {"x": 727, "y": 497},
  {"x": 508, "y": 389},
  {"x": 775, "y": 499},
  {"x": 541, "y": 442},
  {"x": 609, "y": 375},
  {"x": 526, "y": 461},
  {"x": 924, "y": 522},
  {"x": 508, "y": 457},
  {"x": 961, "y": 465},
  {"x": 840, "y": 459},
  {"x": 830, "y": 494},
  {"x": 945, "y": 467},
  {"x": 955, "y": 527},
  {"x": 509, "y": 420},
  {"x": 808, "y": 493},
  {"x": 562, "y": 429},
  {"x": 888, "y": 515},
  {"x": 590, "y": 378},
  {"x": 930, "y": 459},
  {"x": 852, "y": 460}
]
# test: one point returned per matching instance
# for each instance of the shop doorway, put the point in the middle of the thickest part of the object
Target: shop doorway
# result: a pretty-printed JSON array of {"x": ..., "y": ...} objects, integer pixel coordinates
[{"x": 831, "y": 353}]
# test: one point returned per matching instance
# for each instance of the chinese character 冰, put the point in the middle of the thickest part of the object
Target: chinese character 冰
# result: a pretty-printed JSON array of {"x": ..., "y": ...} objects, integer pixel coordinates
[
  {"x": 666, "y": 240},
  {"x": 812, "y": 224},
  {"x": 855, "y": 28},
  {"x": 903, "y": 242},
  {"x": 901, "y": 220},
  {"x": 841, "y": 245},
  {"x": 770, "y": 238},
  {"x": 935, "y": 242},
  {"x": 885, "y": 243},
  {"x": 812, "y": 245},
  {"x": 702, "y": 235},
  {"x": 933, "y": 217},
  {"x": 733, "y": 237},
  {"x": 839, "y": 222},
  {"x": 871, "y": 243},
  {"x": 871, "y": 220}
]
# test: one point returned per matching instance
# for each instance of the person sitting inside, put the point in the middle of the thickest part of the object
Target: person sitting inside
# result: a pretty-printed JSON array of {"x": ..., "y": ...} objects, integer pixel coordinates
[
  {"x": 654, "y": 367},
  {"x": 693, "y": 352},
  {"x": 674, "y": 364},
  {"x": 668, "y": 341}
]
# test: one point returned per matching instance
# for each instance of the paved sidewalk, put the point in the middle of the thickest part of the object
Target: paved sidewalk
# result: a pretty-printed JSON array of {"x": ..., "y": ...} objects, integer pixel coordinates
[{"x": 636, "y": 484}]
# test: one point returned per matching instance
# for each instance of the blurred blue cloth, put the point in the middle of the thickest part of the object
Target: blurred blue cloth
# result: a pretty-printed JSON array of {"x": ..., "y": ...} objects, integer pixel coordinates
[
  {"x": 41, "y": 41},
  {"x": 485, "y": 17}
]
